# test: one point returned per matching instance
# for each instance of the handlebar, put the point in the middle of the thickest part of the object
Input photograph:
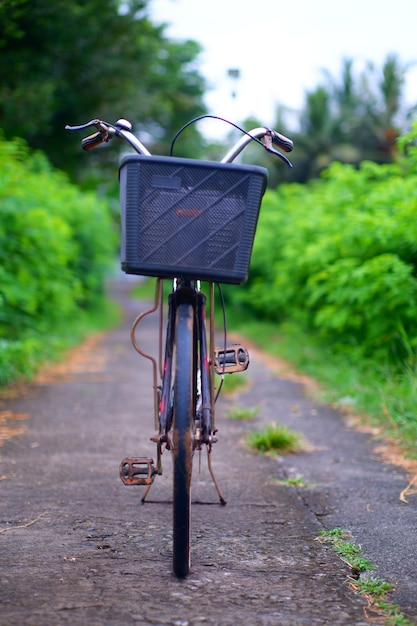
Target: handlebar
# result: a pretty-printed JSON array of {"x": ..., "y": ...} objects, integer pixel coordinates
[
  {"x": 106, "y": 131},
  {"x": 123, "y": 128},
  {"x": 268, "y": 136}
]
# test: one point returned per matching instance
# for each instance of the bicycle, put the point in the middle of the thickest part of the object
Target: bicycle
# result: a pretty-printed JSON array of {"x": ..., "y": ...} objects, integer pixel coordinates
[{"x": 188, "y": 221}]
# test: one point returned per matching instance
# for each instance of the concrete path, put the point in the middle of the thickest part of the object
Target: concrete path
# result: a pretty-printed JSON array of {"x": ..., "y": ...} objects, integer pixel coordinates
[{"x": 77, "y": 547}]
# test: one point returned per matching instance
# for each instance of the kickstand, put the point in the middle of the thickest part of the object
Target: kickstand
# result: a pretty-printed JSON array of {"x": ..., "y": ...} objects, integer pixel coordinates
[
  {"x": 158, "y": 470},
  {"x": 219, "y": 493},
  {"x": 143, "y": 498}
]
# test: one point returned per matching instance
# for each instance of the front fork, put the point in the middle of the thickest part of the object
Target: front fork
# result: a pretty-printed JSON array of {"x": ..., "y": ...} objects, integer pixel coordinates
[
  {"x": 205, "y": 430},
  {"x": 204, "y": 407}
]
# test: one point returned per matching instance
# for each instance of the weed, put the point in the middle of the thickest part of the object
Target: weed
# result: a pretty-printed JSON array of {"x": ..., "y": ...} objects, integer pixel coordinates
[
  {"x": 233, "y": 383},
  {"x": 352, "y": 555},
  {"x": 332, "y": 534},
  {"x": 348, "y": 551},
  {"x": 297, "y": 481},
  {"x": 394, "y": 615},
  {"x": 241, "y": 413},
  {"x": 274, "y": 438},
  {"x": 377, "y": 587},
  {"x": 374, "y": 588}
]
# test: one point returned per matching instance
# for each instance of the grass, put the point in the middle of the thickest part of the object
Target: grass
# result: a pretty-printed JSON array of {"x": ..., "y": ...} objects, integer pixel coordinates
[
  {"x": 241, "y": 413},
  {"x": 21, "y": 359},
  {"x": 274, "y": 438},
  {"x": 297, "y": 481},
  {"x": 234, "y": 382},
  {"x": 352, "y": 555},
  {"x": 347, "y": 550},
  {"x": 383, "y": 397},
  {"x": 375, "y": 589},
  {"x": 145, "y": 289}
]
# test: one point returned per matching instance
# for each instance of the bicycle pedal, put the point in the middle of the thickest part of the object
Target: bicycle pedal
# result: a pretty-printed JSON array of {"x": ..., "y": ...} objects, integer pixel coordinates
[
  {"x": 232, "y": 359},
  {"x": 137, "y": 471}
]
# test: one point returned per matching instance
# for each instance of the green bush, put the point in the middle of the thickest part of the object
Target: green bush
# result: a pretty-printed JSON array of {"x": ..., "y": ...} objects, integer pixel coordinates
[
  {"x": 56, "y": 244},
  {"x": 366, "y": 302},
  {"x": 339, "y": 257}
]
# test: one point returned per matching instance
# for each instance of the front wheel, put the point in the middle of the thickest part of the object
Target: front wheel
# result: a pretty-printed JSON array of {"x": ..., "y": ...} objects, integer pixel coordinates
[{"x": 182, "y": 448}]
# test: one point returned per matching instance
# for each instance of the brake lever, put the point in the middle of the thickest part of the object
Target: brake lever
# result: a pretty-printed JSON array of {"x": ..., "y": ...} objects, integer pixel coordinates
[
  {"x": 267, "y": 143},
  {"x": 103, "y": 128},
  {"x": 97, "y": 123},
  {"x": 82, "y": 126},
  {"x": 103, "y": 135}
]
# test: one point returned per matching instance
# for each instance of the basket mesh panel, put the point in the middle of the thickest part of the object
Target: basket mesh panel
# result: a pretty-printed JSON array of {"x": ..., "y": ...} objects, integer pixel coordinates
[{"x": 188, "y": 220}]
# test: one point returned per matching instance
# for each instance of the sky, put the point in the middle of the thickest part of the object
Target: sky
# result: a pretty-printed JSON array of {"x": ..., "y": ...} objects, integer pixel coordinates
[{"x": 282, "y": 47}]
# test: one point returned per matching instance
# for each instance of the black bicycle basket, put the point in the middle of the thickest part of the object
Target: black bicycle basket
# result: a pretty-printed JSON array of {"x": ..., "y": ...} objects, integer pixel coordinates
[{"x": 189, "y": 219}]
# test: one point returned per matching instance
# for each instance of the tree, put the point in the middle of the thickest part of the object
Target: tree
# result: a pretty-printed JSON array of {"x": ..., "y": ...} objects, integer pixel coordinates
[
  {"x": 71, "y": 60},
  {"x": 387, "y": 120},
  {"x": 351, "y": 118}
]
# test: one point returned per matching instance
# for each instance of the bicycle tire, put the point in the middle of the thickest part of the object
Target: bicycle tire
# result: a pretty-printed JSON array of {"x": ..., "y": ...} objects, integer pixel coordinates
[{"x": 182, "y": 449}]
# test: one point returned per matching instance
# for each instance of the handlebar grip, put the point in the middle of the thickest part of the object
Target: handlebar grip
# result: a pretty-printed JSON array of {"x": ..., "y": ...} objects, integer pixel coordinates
[
  {"x": 92, "y": 141},
  {"x": 283, "y": 142}
]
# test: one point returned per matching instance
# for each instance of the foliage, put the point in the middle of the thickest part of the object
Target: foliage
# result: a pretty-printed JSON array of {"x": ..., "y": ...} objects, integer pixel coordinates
[
  {"x": 68, "y": 61},
  {"x": 366, "y": 230},
  {"x": 55, "y": 248},
  {"x": 354, "y": 116},
  {"x": 339, "y": 257}
]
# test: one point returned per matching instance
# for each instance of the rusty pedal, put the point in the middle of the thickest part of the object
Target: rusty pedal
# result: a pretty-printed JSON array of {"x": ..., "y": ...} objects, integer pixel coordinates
[
  {"x": 232, "y": 359},
  {"x": 137, "y": 471}
]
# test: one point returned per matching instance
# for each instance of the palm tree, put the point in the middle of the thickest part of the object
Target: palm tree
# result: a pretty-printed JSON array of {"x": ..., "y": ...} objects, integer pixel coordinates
[
  {"x": 354, "y": 118},
  {"x": 386, "y": 118}
]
